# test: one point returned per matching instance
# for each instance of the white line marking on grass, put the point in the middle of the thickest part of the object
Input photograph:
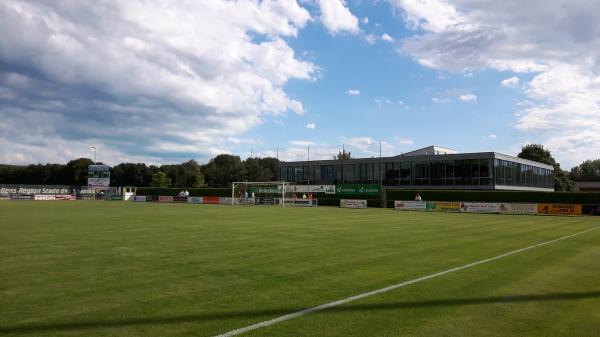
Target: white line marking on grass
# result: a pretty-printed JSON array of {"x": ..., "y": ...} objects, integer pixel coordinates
[{"x": 386, "y": 289}]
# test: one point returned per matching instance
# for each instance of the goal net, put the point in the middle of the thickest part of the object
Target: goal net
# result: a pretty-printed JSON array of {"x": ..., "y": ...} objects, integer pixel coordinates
[{"x": 278, "y": 193}]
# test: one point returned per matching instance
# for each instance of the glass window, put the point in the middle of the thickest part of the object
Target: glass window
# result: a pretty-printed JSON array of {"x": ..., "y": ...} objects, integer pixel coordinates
[
  {"x": 405, "y": 173},
  {"x": 349, "y": 173},
  {"x": 438, "y": 173}
]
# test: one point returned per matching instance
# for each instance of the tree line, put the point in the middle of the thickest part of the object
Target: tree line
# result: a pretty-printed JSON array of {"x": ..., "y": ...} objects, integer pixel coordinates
[
  {"x": 223, "y": 169},
  {"x": 218, "y": 172}
]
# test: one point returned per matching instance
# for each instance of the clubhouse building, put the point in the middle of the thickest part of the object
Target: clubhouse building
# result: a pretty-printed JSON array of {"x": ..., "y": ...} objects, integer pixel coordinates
[{"x": 431, "y": 167}]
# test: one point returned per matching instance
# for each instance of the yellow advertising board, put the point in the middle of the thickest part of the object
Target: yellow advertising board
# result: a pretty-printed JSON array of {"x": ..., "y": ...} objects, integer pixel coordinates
[
  {"x": 559, "y": 209},
  {"x": 443, "y": 206}
]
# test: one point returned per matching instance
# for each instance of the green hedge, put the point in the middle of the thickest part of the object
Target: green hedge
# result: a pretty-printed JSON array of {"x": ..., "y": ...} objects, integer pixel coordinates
[
  {"x": 194, "y": 192},
  {"x": 495, "y": 196}
]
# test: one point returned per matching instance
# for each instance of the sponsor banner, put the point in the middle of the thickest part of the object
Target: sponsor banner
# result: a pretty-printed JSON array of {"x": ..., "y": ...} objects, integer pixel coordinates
[
  {"x": 138, "y": 198},
  {"x": 410, "y": 205},
  {"x": 98, "y": 176},
  {"x": 64, "y": 197},
  {"x": 195, "y": 200},
  {"x": 5, "y": 197},
  {"x": 22, "y": 197},
  {"x": 513, "y": 208},
  {"x": 39, "y": 189},
  {"x": 165, "y": 198},
  {"x": 152, "y": 198},
  {"x": 559, "y": 209},
  {"x": 116, "y": 197},
  {"x": 212, "y": 200},
  {"x": 225, "y": 201},
  {"x": 44, "y": 197},
  {"x": 479, "y": 207},
  {"x": 353, "y": 203},
  {"x": 327, "y": 189},
  {"x": 366, "y": 189},
  {"x": 443, "y": 206},
  {"x": 179, "y": 199}
]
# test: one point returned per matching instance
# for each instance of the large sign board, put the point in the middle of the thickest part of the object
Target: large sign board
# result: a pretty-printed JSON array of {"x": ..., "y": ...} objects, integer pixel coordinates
[
  {"x": 366, "y": 189},
  {"x": 327, "y": 189},
  {"x": 559, "y": 209},
  {"x": 410, "y": 205},
  {"x": 513, "y": 208},
  {"x": 353, "y": 203},
  {"x": 98, "y": 176},
  {"x": 479, "y": 207},
  {"x": 443, "y": 206}
]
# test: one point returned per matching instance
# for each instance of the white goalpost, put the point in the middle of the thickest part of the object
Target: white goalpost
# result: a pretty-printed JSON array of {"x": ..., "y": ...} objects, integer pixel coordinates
[
  {"x": 276, "y": 193},
  {"x": 258, "y": 193}
]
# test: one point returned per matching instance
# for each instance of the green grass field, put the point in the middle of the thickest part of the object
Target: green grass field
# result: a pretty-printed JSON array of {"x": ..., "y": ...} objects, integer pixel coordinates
[{"x": 146, "y": 269}]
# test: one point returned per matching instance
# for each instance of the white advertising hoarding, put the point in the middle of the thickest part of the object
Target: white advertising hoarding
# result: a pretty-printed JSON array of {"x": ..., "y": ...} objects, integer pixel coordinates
[
  {"x": 353, "y": 203},
  {"x": 410, "y": 205},
  {"x": 479, "y": 207},
  {"x": 512, "y": 208}
]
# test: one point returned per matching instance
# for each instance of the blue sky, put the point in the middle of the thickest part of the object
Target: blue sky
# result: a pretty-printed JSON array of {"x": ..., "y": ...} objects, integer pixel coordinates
[{"x": 160, "y": 83}]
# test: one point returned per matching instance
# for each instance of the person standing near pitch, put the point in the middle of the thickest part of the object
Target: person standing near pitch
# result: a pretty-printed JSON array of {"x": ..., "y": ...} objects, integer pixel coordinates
[{"x": 418, "y": 197}]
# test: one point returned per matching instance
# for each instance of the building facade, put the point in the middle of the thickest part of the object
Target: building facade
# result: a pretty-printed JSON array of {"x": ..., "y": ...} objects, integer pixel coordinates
[{"x": 428, "y": 168}]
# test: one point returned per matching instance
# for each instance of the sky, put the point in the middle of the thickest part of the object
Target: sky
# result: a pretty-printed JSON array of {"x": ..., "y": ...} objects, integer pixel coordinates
[{"x": 168, "y": 81}]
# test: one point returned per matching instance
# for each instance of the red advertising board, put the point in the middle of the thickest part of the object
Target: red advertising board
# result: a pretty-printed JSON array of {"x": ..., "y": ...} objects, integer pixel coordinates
[{"x": 211, "y": 200}]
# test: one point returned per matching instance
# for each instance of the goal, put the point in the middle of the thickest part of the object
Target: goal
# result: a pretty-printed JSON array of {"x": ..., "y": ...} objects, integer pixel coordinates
[{"x": 259, "y": 193}]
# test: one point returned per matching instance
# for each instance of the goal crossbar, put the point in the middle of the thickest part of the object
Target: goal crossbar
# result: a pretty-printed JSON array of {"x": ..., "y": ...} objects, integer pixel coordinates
[{"x": 279, "y": 186}]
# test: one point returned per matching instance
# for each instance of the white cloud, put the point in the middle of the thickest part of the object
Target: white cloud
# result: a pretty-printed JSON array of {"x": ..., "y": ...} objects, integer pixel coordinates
[
  {"x": 353, "y": 92},
  {"x": 149, "y": 72},
  {"x": 387, "y": 38},
  {"x": 367, "y": 146},
  {"x": 491, "y": 136},
  {"x": 404, "y": 141},
  {"x": 561, "y": 51},
  {"x": 337, "y": 18},
  {"x": 382, "y": 101},
  {"x": 370, "y": 38},
  {"x": 440, "y": 100},
  {"x": 302, "y": 142},
  {"x": 365, "y": 20},
  {"x": 311, "y": 126},
  {"x": 510, "y": 82},
  {"x": 468, "y": 98}
]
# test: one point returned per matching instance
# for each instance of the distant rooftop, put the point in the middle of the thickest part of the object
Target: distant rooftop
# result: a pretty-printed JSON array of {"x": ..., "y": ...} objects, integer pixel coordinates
[{"x": 430, "y": 150}]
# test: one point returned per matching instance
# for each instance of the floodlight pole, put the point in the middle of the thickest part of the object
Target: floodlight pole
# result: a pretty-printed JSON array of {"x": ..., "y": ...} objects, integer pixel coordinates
[
  {"x": 93, "y": 147},
  {"x": 308, "y": 160},
  {"x": 380, "y": 169}
]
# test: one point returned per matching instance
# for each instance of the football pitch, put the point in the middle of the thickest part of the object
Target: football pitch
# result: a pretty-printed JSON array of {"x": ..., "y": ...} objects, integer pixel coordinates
[{"x": 149, "y": 269}]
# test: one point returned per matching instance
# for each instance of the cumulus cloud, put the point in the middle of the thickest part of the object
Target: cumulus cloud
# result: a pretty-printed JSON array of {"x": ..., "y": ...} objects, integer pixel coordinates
[
  {"x": 367, "y": 146},
  {"x": 440, "y": 100},
  {"x": 561, "y": 51},
  {"x": 353, "y": 92},
  {"x": 301, "y": 142},
  {"x": 491, "y": 136},
  {"x": 142, "y": 79},
  {"x": 387, "y": 38},
  {"x": 311, "y": 126},
  {"x": 370, "y": 38},
  {"x": 468, "y": 98},
  {"x": 337, "y": 18},
  {"x": 510, "y": 82}
]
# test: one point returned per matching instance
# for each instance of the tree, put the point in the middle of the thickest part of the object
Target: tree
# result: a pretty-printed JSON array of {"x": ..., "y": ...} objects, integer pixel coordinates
[
  {"x": 261, "y": 169},
  {"x": 224, "y": 169},
  {"x": 589, "y": 170},
  {"x": 160, "y": 179},
  {"x": 537, "y": 152},
  {"x": 76, "y": 171},
  {"x": 343, "y": 155}
]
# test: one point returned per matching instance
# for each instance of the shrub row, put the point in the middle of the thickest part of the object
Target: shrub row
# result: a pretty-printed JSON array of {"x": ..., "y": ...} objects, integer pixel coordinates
[
  {"x": 194, "y": 192},
  {"x": 495, "y": 196}
]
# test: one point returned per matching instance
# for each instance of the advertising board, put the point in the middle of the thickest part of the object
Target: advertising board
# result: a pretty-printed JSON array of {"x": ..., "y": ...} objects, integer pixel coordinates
[
  {"x": 211, "y": 200},
  {"x": 410, "y": 205},
  {"x": 44, "y": 197},
  {"x": 443, "y": 206},
  {"x": 165, "y": 198},
  {"x": 138, "y": 198},
  {"x": 64, "y": 197},
  {"x": 559, "y": 209},
  {"x": 22, "y": 197},
  {"x": 366, "y": 189},
  {"x": 513, "y": 208},
  {"x": 98, "y": 176},
  {"x": 327, "y": 189},
  {"x": 479, "y": 207},
  {"x": 353, "y": 203},
  {"x": 225, "y": 201},
  {"x": 179, "y": 199},
  {"x": 194, "y": 200}
]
